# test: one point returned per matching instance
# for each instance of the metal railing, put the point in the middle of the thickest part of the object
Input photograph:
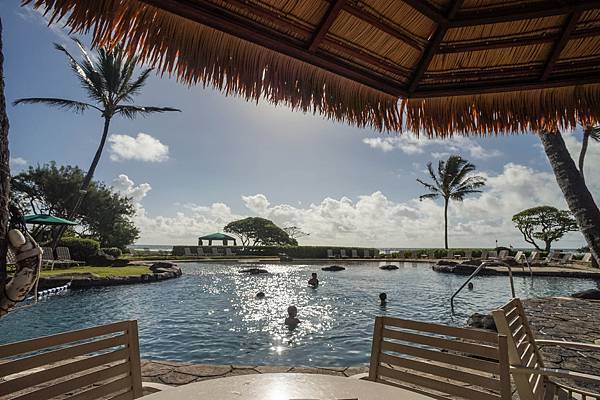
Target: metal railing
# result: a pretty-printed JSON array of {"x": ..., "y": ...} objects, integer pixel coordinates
[{"x": 477, "y": 270}]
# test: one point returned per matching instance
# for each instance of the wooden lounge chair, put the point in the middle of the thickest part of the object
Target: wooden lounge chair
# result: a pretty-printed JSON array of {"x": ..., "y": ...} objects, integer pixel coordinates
[
  {"x": 187, "y": 252},
  {"x": 566, "y": 258},
  {"x": 93, "y": 363},
  {"x": 200, "y": 251},
  {"x": 228, "y": 252},
  {"x": 527, "y": 366},
  {"x": 468, "y": 254},
  {"x": 587, "y": 258},
  {"x": 63, "y": 256},
  {"x": 330, "y": 253},
  {"x": 343, "y": 253},
  {"x": 48, "y": 257},
  {"x": 366, "y": 253},
  {"x": 215, "y": 251},
  {"x": 354, "y": 253},
  {"x": 422, "y": 357},
  {"x": 492, "y": 254}
]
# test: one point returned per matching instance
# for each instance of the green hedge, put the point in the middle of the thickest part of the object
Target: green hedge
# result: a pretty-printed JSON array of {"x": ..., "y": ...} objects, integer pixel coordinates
[
  {"x": 112, "y": 251},
  {"x": 292, "y": 251},
  {"x": 80, "y": 249}
]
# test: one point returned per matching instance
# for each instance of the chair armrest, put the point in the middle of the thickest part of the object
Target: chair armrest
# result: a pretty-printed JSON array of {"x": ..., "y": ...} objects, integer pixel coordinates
[
  {"x": 561, "y": 373},
  {"x": 364, "y": 375},
  {"x": 576, "y": 345},
  {"x": 153, "y": 387}
]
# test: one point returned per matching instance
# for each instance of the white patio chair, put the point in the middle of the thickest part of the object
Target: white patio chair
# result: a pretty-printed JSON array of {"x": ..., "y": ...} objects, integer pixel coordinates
[
  {"x": 330, "y": 253},
  {"x": 354, "y": 253},
  {"x": 343, "y": 253}
]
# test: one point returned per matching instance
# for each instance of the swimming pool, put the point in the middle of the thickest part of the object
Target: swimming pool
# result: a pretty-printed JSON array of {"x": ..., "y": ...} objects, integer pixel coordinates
[{"x": 211, "y": 315}]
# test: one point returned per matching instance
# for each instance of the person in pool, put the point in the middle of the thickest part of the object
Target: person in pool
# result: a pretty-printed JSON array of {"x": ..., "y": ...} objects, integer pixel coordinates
[
  {"x": 292, "y": 321},
  {"x": 383, "y": 299},
  {"x": 470, "y": 285},
  {"x": 313, "y": 281},
  {"x": 260, "y": 295}
]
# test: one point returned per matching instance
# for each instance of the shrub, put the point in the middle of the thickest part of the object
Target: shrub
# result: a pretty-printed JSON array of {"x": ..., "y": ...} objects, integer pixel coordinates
[
  {"x": 79, "y": 248},
  {"x": 112, "y": 251}
]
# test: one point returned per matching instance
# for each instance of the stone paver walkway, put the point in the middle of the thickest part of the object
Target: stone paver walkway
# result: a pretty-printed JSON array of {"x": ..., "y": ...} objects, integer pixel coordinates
[{"x": 174, "y": 373}]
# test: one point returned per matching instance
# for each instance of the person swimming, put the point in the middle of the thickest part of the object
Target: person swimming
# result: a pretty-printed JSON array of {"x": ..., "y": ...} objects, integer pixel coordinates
[
  {"x": 313, "y": 281},
  {"x": 292, "y": 321},
  {"x": 383, "y": 298},
  {"x": 260, "y": 295},
  {"x": 470, "y": 285}
]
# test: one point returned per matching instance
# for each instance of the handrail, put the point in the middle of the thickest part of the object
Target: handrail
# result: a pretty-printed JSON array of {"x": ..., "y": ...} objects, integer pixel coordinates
[{"x": 479, "y": 268}]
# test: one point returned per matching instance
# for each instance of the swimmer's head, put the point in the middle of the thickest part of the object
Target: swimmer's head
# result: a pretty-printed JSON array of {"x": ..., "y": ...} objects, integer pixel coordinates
[
  {"x": 382, "y": 296},
  {"x": 292, "y": 311},
  {"x": 314, "y": 274},
  {"x": 470, "y": 285},
  {"x": 260, "y": 295}
]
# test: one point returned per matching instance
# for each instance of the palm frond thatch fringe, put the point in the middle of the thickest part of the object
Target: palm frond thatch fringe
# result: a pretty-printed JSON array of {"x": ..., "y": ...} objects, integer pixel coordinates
[
  {"x": 198, "y": 54},
  {"x": 537, "y": 110}
]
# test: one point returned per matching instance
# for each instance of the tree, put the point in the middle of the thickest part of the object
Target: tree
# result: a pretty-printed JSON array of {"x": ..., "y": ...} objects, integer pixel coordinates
[
  {"x": 544, "y": 223},
  {"x": 50, "y": 189},
  {"x": 108, "y": 80},
  {"x": 256, "y": 231},
  {"x": 295, "y": 232},
  {"x": 589, "y": 132},
  {"x": 453, "y": 181},
  {"x": 577, "y": 195}
]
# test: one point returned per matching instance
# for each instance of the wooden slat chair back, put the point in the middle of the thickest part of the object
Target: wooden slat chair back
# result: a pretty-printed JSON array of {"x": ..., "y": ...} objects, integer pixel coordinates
[
  {"x": 200, "y": 251},
  {"x": 63, "y": 254},
  {"x": 47, "y": 254},
  {"x": 440, "y": 361},
  {"x": 527, "y": 365},
  {"x": 93, "y": 363}
]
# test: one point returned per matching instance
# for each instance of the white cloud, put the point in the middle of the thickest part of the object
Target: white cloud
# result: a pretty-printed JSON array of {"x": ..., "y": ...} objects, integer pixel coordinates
[
  {"x": 143, "y": 147},
  {"x": 126, "y": 187},
  {"x": 409, "y": 144},
  {"x": 18, "y": 162},
  {"x": 376, "y": 220}
]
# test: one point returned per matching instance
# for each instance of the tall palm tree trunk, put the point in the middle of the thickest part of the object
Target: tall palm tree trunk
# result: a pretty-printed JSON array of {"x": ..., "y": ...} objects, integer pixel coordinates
[
  {"x": 4, "y": 174},
  {"x": 446, "y": 223},
  {"x": 584, "y": 146},
  {"x": 86, "y": 182},
  {"x": 578, "y": 197}
]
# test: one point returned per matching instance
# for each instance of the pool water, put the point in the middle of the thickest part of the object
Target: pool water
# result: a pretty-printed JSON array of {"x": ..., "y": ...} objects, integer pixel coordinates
[{"x": 211, "y": 314}]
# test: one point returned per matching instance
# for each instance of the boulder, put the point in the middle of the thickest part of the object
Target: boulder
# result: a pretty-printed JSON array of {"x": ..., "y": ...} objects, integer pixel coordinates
[
  {"x": 120, "y": 262},
  {"x": 254, "y": 271},
  {"x": 482, "y": 321},
  {"x": 333, "y": 268},
  {"x": 447, "y": 262},
  {"x": 165, "y": 265},
  {"x": 590, "y": 294},
  {"x": 100, "y": 260},
  {"x": 389, "y": 267}
]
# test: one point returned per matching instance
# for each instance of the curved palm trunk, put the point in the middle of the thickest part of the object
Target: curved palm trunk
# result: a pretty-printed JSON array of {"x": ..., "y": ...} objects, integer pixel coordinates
[
  {"x": 4, "y": 174},
  {"x": 578, "y": 197},
  {"x": 446, "y": 223},
  {"x": 86, "y": 181},
  {"x": 584, "y": 146}
]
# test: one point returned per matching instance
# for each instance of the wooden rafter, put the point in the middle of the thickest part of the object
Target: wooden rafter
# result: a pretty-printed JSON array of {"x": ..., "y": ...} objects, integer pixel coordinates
[
  {"x": 332, "y": 13},
  {"x": 428, "y": 10},
  {"x": 498, "y": 43},
  {"x": 569, "y": 26},
  {"x": 434, "y": 43},
  {"x": 208, "y": 14},
  {"x": 516, "y": 13}
]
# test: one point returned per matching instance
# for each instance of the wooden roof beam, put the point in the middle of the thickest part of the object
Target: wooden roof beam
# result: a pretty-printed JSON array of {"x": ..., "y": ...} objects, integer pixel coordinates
[
  {"x": 332, "y": 13},
  {"x": 428, "y": 10},
  {"x": 498, "y": 43},
  {"x": 569, "y": 26},
  {"x": 516, "y": 13},
  {"x": 434, "y": 43},
  {"x": 208, "y": 14}
]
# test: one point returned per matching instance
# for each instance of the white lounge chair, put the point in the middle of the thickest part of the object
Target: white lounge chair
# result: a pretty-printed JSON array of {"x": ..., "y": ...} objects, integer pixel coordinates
[
  {"x": 492, "y": 254},
  {"x": 48, "y": 257},
  {"x": 343, "y": 253},
  {"x": 587, "y": 258},
  {"x": 468, "y": 254},
  {"x": 354, "y": 253},
  {"x": 215, "y": 251},
  {"x": 367, "y": 254},
  {"x": 330, "y": 254},
  {"x": 566, "y": 258},
  {"x": 63, "y": 256},
  {"x": 228, "y": 252},
  {"x": 200, "y": 251},
  {"x": 187, "y": 252}
]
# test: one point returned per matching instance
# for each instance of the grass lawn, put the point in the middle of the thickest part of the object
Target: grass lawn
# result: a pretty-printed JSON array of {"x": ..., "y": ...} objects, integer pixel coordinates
[{"x": 101, "y": 271}]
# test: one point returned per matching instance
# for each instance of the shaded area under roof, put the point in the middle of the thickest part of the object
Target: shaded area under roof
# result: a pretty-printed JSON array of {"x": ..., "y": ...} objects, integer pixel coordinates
[
  {"x": 217, "y": 236},
  {"x": 435, "y": 66}
]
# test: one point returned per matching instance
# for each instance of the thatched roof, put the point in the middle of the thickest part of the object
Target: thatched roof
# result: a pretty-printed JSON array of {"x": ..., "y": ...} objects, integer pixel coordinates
[{"x": 444, "y": 66}]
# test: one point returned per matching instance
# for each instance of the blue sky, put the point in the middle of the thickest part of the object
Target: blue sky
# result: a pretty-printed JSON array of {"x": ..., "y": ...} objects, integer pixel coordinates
[{"x": 221, "y": 158}]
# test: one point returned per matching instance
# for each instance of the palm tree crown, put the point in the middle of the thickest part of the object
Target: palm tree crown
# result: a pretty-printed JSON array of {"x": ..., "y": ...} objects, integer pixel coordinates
[{"x": 453, "y": 181}]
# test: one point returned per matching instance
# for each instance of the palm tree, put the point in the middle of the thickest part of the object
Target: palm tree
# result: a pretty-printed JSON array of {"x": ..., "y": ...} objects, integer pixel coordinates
[
  {"x": 453, "y": 181},
  {"x": 592, "y": 132},
  {"x": 109, "y": 82}
]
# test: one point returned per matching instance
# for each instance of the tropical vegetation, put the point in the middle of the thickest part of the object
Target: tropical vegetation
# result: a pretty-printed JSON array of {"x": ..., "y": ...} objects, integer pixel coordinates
[
  {"x": 105, "y": 216},
  {"x": 453, "y": 180},
  {"x": 108, "y": 81},
  {"x": 256, "y": 231},
  {"x": 544, "y": 223}
]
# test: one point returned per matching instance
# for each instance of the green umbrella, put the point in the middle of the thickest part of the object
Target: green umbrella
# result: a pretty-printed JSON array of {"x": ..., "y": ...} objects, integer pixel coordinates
[{"x": 43, "y": 219}]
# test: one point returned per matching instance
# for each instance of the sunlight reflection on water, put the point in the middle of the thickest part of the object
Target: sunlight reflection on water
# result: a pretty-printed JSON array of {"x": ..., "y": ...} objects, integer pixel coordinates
[{"x": 211, "y": 314}]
